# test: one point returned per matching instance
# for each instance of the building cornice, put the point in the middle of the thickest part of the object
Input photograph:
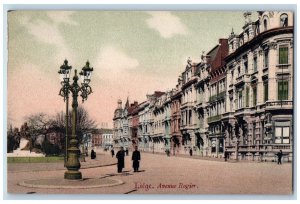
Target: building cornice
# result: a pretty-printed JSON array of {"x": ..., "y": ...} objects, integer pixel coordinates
[{"x": 258, "y": 39}]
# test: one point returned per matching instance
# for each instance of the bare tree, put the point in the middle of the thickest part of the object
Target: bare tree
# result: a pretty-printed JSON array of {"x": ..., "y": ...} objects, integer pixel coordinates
[
  {"x": 84, "y": 122},
  {"x": 39, "y": 123}
]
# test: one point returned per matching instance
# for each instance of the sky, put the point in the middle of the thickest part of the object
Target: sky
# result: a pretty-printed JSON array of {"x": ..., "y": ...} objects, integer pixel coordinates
[{"x": 133, "y": 53}]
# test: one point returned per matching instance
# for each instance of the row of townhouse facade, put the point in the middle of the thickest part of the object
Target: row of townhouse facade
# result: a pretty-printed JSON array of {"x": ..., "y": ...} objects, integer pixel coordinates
[{"x": 238, "y": 98}]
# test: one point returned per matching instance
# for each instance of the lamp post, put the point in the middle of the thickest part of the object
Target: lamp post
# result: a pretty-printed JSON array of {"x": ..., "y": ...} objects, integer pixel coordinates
[
  {"x": 72, "y": 153},
  {"x": 64, "y": 92}
]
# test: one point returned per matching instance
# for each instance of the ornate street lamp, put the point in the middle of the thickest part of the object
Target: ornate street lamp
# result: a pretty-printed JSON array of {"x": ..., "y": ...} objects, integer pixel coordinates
[
  {"x": 64, "y": 72},
  {"x": 72, "y": 154}
]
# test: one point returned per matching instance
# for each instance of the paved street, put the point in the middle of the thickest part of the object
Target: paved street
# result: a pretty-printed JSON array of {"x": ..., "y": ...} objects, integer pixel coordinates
[{"x": 160, "y": 174}]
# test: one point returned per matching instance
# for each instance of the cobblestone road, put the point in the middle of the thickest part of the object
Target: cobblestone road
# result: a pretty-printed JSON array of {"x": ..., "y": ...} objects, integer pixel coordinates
[{"x": 160, "y": 174}]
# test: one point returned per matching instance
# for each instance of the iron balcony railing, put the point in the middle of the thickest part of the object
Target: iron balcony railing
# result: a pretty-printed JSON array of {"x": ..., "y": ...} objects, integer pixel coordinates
[
  {"x": 213, "y": 118},
  {"x": 217, "y": 97}
]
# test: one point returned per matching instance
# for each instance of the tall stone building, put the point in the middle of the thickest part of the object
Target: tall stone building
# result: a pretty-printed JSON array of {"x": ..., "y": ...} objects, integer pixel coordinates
[
  {"x": 121, "y": 132},
  {"x": 144, "y": 126},
  {"x": 217, "y": 93},
  {"x": 176, "y": 136},
  {"x": 188, "y": 114},
  {"x": 202, "y": 106},
  {"x": 259, "y": 92}
]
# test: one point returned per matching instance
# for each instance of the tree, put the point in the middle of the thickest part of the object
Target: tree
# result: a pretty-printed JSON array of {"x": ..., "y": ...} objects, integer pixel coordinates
[
  {"x": 39, "y": 124},
  {"x": 84, "y": 123}
]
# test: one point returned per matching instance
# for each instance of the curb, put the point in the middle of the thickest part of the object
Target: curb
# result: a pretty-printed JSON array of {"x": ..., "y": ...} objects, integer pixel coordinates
[
  {"x": 60, "y": 169},
  {"x": 25, "y": 184}
]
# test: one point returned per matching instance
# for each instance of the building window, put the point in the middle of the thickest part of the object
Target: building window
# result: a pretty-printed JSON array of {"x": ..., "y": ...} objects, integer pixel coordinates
[
  {"x": 246, "y": 67},
  {"x": 284, "y": 20},
  {"x": 254, "y": 96},
  {"x": 254, "y": 133},
  {"x": 240, "y": 99},
  {"x": 266, "y": 59},
  {"x": 266, "y": 90},
  {"x": 247, "y": 97},
  {"x": 283, "y": 90},
  {"x": 254, "y": 64},
  {"x": 221, "y": 145},
  {"x": 213, "y": 145},
  {"x": 282, "y": 135},
  {"x": 265, "y": 24},
  {"x": 239, "y": 71},
  {"x": 283, "y": 55}
]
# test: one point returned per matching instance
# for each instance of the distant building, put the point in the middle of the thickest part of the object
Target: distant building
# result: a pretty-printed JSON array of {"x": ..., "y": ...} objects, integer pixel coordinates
[{"x": 102, "y": 138}]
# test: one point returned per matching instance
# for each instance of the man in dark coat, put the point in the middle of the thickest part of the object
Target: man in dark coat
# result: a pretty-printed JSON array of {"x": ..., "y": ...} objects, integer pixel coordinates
[
  {"x": 112, "y": 152},
  {"x": 279, "y": 155},
  {"x": 120, "y": 156},
  {"x": 226, "y": 155},
  {"x": 191, "y": 152},
  {"x": 136, "y": 157},
  {"x": 93, "y": 154}
]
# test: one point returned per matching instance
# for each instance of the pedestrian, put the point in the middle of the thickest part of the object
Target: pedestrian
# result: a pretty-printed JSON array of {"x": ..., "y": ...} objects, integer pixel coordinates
[
  {"x": 126, "y": 152},
  {"x": 226, "y": 155},
  {"x": 168, "y": 152},
  {"x": 136, "y": 157},
  {"x": 93, "y": 154},
  {"x": 191, "y": 152},
  {"x": 120, "y": 156},
  {"x": 279, "y": 155},
  {"x": 112, "y": 152},
  {"x": 86, "y": 152}
]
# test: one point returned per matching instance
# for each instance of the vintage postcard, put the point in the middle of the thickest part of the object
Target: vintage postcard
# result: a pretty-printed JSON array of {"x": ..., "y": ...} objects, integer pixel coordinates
[{"x": 150, "y": 102}]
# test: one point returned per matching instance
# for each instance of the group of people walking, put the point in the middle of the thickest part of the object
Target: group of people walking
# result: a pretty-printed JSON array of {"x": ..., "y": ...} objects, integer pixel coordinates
[{"x": 136, "y": 157}]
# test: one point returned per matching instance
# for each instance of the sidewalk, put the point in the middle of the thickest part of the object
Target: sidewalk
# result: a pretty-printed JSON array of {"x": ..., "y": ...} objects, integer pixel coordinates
[
  {"x": 204, "y": 158},
  {"x": 101, "y": 160}
]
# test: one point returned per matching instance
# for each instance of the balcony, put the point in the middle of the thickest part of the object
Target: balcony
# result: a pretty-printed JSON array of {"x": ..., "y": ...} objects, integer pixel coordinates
[
  {"x": 242, "y": 79},
  {"x": 284, "y": 104},
  {"x": 213, "y": 118},
  {"x": 227, "y": 115},
  {"x": 186, "y": 104},
  {"x": 217, "y": 97},
  {"x": 283, "y": 66},
  {"x": 242, "y": 111}
]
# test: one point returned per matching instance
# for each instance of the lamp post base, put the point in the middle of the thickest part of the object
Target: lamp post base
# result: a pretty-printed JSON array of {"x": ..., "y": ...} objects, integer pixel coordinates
[{"x": 73, "y": 175}]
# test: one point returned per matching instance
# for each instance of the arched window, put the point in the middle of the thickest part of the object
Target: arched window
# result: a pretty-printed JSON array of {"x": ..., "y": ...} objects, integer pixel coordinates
[
  {"x": 284, "y": 20},
  {"x": 265, "y": 24}
]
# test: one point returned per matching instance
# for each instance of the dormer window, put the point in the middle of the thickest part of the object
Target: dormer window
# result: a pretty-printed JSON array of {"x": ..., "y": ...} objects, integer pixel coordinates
[
  {"x": 284, "y": 20},
  {"x": 265, "y": 24}
]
